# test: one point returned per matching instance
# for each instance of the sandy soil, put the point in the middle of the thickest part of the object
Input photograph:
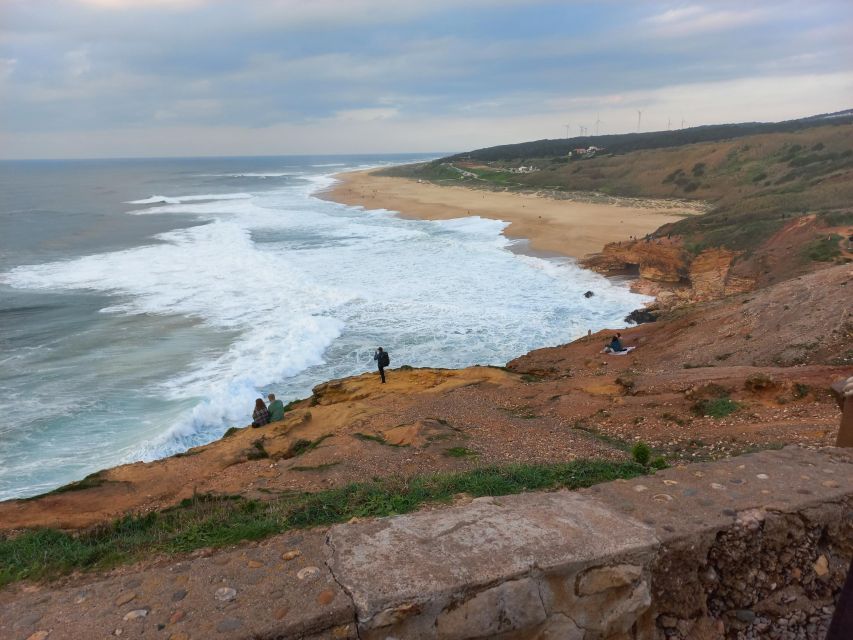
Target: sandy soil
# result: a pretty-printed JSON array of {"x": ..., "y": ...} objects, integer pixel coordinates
[{"x": 567, "y": 227}]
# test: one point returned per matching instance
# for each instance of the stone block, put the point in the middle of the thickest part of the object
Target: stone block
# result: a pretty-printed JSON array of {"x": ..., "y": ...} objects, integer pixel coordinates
[
  {"x": 598, "y": 579},
  {"x": 510, "y": 606}
]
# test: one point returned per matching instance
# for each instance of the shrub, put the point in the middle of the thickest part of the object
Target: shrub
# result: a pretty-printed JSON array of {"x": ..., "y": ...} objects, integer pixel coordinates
[
  {"x": 715, "y": 407},
  {"x": 659, "y": 463},
  {"x": 641, "y": 453},
  {"x": 257, "y": 452}
]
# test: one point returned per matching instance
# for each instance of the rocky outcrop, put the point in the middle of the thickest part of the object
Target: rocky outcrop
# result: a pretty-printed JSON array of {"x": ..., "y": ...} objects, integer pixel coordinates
[
  {"x": 669, "y": 272},
  {"x": 710, "y": 276},
  {"x": 653, "y": 260}
]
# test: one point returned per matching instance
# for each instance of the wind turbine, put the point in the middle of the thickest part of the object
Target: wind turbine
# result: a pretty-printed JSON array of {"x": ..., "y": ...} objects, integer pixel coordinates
[
  {"x": 639, "y": 119},
  {"x": 669, "y": 124},
  {"x": 683, "y": 122},
  {"x": 597, "y": 122},
  {"x": 567, "y": 130}
]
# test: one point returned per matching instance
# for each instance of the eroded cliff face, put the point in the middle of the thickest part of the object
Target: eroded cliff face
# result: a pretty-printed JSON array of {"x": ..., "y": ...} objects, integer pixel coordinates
[
  {"x": 671, "y": 273},
  {"x": 676, "y": 276}
]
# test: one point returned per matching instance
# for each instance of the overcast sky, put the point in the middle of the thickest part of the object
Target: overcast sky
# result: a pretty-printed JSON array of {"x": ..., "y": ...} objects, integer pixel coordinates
[{"x": 108, "y": 78}]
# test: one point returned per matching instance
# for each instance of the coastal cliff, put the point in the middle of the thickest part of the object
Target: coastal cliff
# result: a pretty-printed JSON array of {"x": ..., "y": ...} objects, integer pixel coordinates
[{"x": 562, "y": 403}]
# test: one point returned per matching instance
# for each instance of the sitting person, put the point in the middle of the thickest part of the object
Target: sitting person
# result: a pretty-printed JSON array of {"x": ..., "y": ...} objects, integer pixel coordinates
[
  {"x": 260, "y": 416},
  {"x": 276, "y": 408},
  {"x": 616, "y": 344}
]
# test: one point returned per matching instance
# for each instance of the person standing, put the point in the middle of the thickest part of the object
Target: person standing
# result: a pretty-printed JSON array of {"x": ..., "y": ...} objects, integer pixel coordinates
[
  {"x": 276, "y": 408},
  {"x": 382, "y": 360}
]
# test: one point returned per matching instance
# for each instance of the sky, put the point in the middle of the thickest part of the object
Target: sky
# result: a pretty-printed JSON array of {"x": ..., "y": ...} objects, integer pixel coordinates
[{"x": 131, "y": 78}]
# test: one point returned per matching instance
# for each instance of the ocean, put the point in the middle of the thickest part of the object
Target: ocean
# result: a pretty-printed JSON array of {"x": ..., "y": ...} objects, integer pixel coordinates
[{"x": 145, "y": 304}]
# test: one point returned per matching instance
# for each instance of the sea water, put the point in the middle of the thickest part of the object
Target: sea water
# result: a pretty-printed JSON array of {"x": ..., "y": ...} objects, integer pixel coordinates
[{"x": 145, "y": 304}]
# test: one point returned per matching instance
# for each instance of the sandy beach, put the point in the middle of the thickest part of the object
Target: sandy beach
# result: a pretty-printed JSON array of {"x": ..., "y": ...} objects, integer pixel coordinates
[{"x": 571, "y": 228}]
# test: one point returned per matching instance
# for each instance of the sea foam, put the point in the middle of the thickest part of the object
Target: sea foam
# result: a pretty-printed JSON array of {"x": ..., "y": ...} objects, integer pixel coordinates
[{"x": 306, "y": 289}]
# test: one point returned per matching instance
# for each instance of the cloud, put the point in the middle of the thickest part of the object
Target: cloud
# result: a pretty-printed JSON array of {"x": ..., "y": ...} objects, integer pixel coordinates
[
  {"x": 378, "y": 130},
  {"x": 7, "y": 67},
  {"x": 696, "y": 19},
  {"x": 117, "y": 5},
  {"x": 367, "y": 115},
  {"x": 374, "y": 71},
  {"x": 78, "y": 63}
]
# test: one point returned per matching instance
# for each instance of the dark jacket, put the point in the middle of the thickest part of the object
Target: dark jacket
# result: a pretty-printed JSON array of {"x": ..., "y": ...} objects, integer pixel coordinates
[{"x": 382, "y": 358}]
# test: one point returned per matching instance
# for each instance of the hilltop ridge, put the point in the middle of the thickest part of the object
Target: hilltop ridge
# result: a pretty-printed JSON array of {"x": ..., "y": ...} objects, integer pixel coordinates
[{"x": 778, "y": 198}]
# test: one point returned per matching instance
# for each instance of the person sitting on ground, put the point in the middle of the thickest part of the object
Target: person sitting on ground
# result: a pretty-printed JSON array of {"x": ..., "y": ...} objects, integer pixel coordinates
[
  {"x": 616, "y": 343},
  {"x": 260, "y": 416},
  {"x": 276, "y": 408}
]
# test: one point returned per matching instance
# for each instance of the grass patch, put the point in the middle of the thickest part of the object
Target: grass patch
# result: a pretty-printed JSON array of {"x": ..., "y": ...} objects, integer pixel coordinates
[
  {"x": 825, "y": 249},
  {"x": 319, "y": 467},
  {"x": 715, "y": 407},
  {"x": 215, "y": 521},
  {"x": 460, "y": 452},
  {"x": 231, "y": 431},
  {"x": 377, "y": 439},
  {"x": 187, "y": 454},
  {"x": 290, "y": 405},
  {"x": 89, "y": 482},
  {"x": 304, "y": 446},
  {"x": 257, "y": 452},
  {"x": 529, "y": 377}
]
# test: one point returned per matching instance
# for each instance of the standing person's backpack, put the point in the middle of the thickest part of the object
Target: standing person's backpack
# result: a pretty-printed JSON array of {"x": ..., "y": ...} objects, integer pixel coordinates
[{"x": 384, "y": 359}]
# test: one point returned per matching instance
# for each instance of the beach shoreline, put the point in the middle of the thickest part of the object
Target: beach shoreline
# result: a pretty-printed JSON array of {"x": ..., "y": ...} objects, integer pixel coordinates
[{"x": 570, "y": 228}]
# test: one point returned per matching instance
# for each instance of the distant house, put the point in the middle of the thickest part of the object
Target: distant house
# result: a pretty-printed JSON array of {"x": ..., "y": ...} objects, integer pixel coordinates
[{"x": 582, "y": 153}]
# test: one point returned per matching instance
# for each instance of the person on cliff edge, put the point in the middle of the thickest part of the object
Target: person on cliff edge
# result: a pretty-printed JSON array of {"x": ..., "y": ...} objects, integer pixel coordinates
[
  {"x": 276, "y": 408},
  {"x": 261, "y": 415},
  {"x": 382, "y": 360}
]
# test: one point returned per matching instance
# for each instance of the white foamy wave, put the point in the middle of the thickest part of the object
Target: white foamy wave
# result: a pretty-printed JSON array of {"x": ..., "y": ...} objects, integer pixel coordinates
[
  {"x": 299, "y": 286},
  {"x": 254, "y": 174},
  {"x": 180, "y": 199}
]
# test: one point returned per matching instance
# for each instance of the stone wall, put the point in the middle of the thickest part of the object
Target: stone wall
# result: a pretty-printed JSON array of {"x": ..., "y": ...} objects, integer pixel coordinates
[{"x": 750, "y": 547}]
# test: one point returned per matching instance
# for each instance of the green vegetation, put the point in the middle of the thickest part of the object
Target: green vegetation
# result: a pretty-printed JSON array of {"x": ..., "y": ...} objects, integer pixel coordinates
[
  {"x": 715, "y": 407},
  {"x": 625, "y": 143},
  {"x": 304, "y": 446},
  {"x": 824, "y": 249},
  {"x": 231, "y": 431},
  {"x": 257, "y": 452},
  {"x": 755, "y": 189},
  {"x": 89, "y": 482},
  {"x": 290, "y": 405},
  {"x": 801, "y": 390},
  {"x": 460, "y": 452},
  {"x": 641, "y": 453},
  {"x": 215, "y": 521},
  {"x": 659, "y": 463}
]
